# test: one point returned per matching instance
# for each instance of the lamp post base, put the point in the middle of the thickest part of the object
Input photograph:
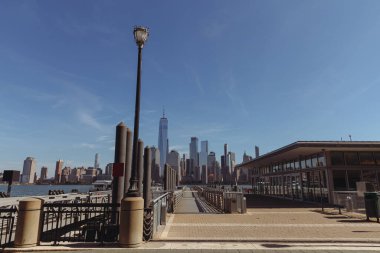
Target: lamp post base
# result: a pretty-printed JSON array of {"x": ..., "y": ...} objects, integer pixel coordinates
[{"x": 131, "y": 222}]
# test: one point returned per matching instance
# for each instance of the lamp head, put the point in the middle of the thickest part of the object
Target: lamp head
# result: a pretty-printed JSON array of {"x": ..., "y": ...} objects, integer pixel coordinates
[{"x": 141, "y": 35}]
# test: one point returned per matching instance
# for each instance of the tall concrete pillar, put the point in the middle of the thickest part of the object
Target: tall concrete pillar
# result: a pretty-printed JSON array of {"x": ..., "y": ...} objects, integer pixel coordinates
[
  {"x": 28, "y": 223},
  {"x": 140, "y": 166},
  {"x": 147, "y": 177},
  {"x": 120, "y": 151},
  {"x": 128, "y": 161}
]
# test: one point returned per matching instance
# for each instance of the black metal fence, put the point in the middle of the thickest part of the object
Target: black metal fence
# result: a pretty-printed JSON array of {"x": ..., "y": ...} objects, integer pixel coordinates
[
  {"x": 80, "y": 222},
  {"x": 7, "y": 226}
]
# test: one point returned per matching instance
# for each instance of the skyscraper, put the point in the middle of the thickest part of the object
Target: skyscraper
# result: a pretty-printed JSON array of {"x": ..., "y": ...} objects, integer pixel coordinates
[
  {"x": 163, "y": 142},
  {"x": 203, "y": 154},
  {"x": 28, "y": 170},
  {"x": 155, "y": 158},
  {"x": 193, "y": 156},
  {"x": 174, "y": 161},
  {"x": 96, "y": 164},
  {"x": 58, "y": 171},
  {"x": 43, "y": 174}
]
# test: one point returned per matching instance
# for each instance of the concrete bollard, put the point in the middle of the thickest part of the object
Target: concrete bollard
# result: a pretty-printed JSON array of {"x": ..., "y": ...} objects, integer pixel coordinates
[
  {"x": 131, "y": 222},
  {"x": 28, "y": 223}
]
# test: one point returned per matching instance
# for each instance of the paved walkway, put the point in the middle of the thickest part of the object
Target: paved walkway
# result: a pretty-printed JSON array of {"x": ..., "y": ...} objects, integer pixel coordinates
[
  {"x": 290, "y": 222},
  {"x": 187, "y": 204}
]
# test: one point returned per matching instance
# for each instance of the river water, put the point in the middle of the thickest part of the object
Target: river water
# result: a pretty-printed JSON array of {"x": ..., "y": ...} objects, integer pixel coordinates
[{"x": 38, "y": 190}]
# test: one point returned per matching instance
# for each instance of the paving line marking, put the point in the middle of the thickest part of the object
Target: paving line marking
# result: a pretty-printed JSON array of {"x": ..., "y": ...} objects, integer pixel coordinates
[
  {"x": 266, "y": 225},
  {"x": 167, "y": 227}
]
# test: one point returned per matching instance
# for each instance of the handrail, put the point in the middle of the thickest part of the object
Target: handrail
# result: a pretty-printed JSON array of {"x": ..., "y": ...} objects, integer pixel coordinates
[{"x": 160, "y": 197}]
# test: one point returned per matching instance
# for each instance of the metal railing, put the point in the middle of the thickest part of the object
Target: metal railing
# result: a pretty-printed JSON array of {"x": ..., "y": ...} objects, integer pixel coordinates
[
  {"x": 177, "y": 197},
  {"x": 7, "y": 226},
  {"x": 349, "y": 200},
  {"x": 160, "y": 207},
  {"x": 80, "y": 222}
]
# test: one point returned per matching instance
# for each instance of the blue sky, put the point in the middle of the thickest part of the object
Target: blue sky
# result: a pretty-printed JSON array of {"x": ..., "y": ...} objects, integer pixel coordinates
[{"x": 246, "y": 73}]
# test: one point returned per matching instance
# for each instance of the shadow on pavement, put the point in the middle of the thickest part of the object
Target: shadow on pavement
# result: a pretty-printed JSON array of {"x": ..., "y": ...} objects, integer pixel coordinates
[
  {"x": 273, "y": 246},
  {"x": 259, "y": 201}
]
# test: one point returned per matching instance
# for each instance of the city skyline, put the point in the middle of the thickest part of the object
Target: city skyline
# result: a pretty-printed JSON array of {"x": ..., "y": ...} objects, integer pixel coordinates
[{"x": 277, "y": 73}]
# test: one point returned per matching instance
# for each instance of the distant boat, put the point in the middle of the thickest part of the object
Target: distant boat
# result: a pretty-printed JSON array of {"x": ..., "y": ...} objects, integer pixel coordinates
[{"x": 101, "y": 185}]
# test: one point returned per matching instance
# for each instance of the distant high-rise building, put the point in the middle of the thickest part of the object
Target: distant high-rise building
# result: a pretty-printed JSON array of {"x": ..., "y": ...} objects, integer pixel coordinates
[
  {"x": 211, "y": 167},
  {"x": 183, "y": 166},
  {"x": 58, "y": 171},
  {"x": 96, "y": 164},
  {"x": 203, "y": 154},
  {"x": 194, "y": 156},
  {"x": 246, "y": 158},
  {"x": 109, "y": 168},
  {"x": 29, "y": 170},
  {"x": 173, "y": 160},
  {"x": 257, "y": 151},
  {"x": 163, "y": 142},
  {"x": 43, "y": 174},
  {"x": 155, "y": 167},
  {"x": 65, "y": 175}
]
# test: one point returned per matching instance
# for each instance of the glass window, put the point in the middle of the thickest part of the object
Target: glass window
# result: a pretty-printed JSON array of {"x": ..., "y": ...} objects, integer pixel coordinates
[
  {"x": 353, "y": 177},
  {"x": 308, "y": 162},
  {"x": 339, "y": 179},
  {"x": 370, "y": 176},
  {"x": 337, "y": 158},
  {"x": 376, "y": 155},
  {"x": 366, "y": 158},
  {"x": 351, "y": 158},
  {"x": 296, "y": 164},
  {"x": 321, "y": 160},
  {"x": 303, "y": 164},
  {"x": 314, "y": 161}
]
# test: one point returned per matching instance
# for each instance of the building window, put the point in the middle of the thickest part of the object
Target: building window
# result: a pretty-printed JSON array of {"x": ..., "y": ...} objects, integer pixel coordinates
[
  {"x": 314, "y": 161},
  {"x": 377, "y": 157},
  {"x": 308, "y": 162},
  {"x": 351, "y": 158},
  {"x": 296, "y": 164},
  {"x": 366, "y": 158},
  {"x": 321, "y": 160},
  {"x": 353, "y": 177},
  {"x": 339, "y": 179},
  {"x": 337, "y": 158}
]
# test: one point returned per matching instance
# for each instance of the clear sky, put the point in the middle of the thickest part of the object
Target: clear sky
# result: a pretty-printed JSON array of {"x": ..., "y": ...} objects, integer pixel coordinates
[{"x": 246, "y": 73}]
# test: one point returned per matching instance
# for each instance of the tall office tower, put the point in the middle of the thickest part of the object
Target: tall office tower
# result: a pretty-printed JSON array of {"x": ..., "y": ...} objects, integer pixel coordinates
[
  {"x": 173, "y": 160},
  {"x": 257, "y": 151},
  {"x": 58, "y": 171},
  {"x": 189, "y": 164},
  {"x": 246, "y": 158},
  {"x": 183, "y": 166},
  {"x": 217, "y": 172},
  {"x": 96, "y": 164},
  {"x": 109, "y": 169},
  {"x": 43, "y": 174},
  {"x": 163, "y": 142},
  {"x": 194, "y": 157},
  {"x": 211, "y": 167},
  {"x": 65, "y": 175},
  {"x": 75, "y": 175},
  {"x": 155, "y": 160},
  {"x": 232, "y": 161},
  {"x": 29, "y": 170},
  {"x": 203, "y": 154}
]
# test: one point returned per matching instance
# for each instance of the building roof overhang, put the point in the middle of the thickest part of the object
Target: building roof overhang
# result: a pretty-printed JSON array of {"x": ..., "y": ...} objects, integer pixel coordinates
[{"x": 305, "y": 148}]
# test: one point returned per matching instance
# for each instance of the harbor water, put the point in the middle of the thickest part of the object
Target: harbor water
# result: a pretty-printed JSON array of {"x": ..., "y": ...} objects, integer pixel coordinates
[{"x": 39, "y": 190}]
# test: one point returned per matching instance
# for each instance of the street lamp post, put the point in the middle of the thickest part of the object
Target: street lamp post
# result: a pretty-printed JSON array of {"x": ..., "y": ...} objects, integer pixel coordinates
[
  {"x": 141, "y": 35},
  {"x": 132, "y": 206}
]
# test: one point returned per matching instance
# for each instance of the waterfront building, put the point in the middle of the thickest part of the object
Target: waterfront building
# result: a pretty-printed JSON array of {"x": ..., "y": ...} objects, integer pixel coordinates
[
  {"x": 58, "y": 171},
  {"x": 193, "y": 157},
  {"x": 315, "y": 170},
  {"x": 163, "y": 142},
  {"x": 28, "y": 171},
  {"x": 173, "y": 160},
  {"x": 65, "y": 175},
  {"x": 211, "y": 166},
  {"x": 43, "y": 174}
]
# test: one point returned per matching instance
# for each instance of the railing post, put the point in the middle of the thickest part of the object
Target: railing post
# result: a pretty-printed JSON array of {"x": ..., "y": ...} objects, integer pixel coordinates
[{"x": 28, "y": 223}]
